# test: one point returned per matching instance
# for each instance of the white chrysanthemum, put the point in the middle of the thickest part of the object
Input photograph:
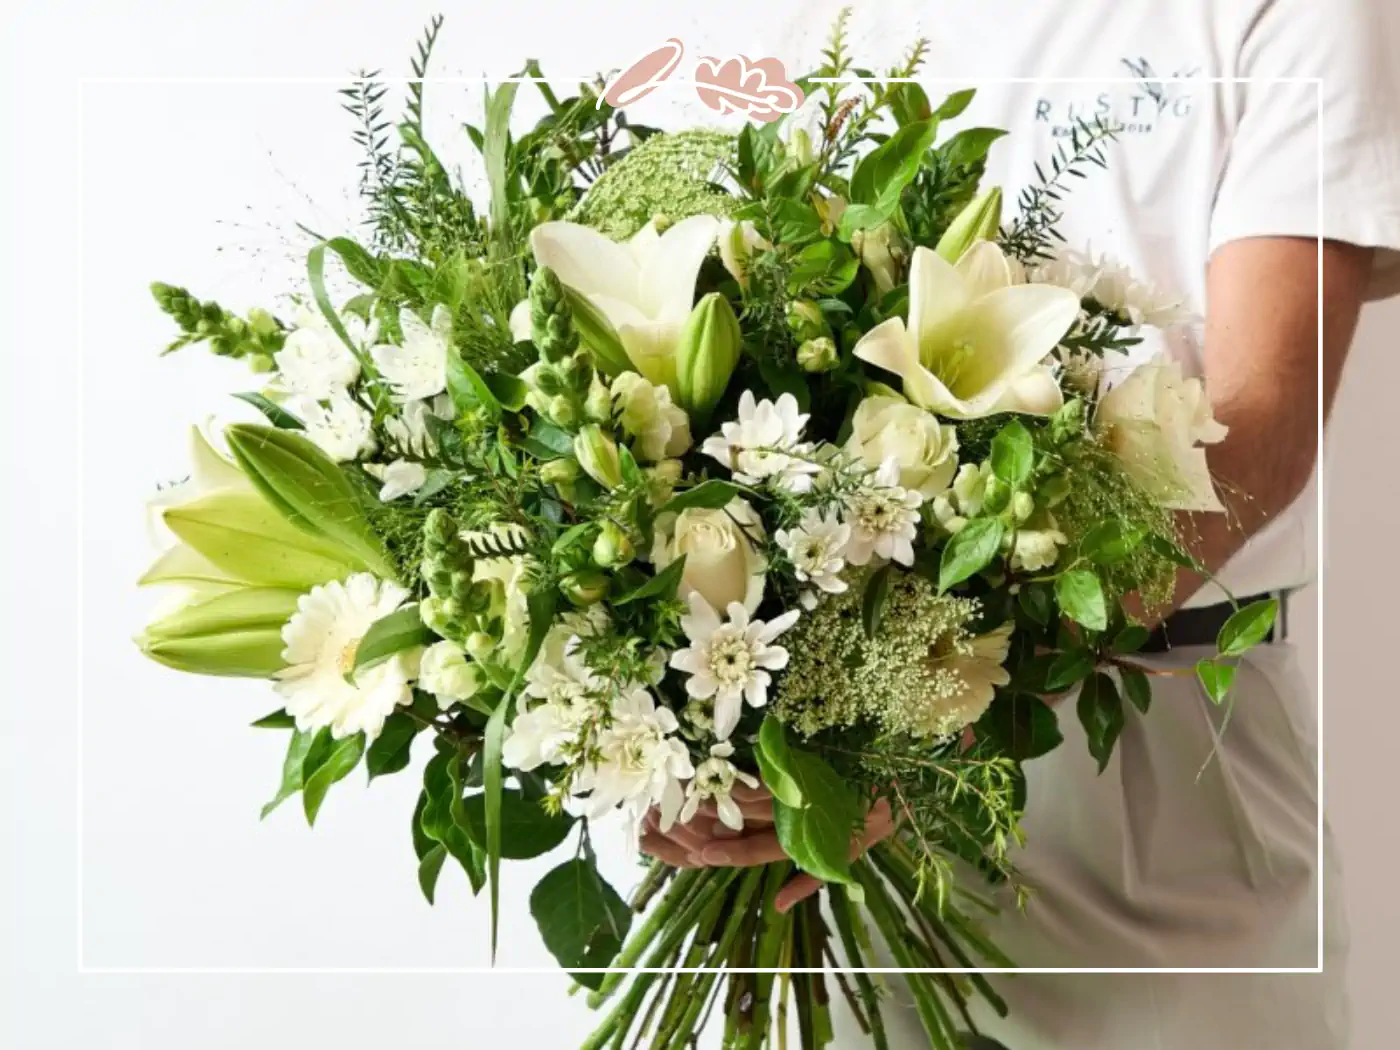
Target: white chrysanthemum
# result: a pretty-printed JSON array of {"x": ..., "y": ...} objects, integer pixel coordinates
[
  {"x": 639, "y": 762},
  {"x": 764, "y": 443},
  {"x": 402, "y": 477},
  {"x": 978, "y": 667},
  {"x": 714, "y": 781},
  {"x": 1112, "y": 285},
  {"x": 543, "y": 734},
  {"x": 661, "y": 428},
  {"x": 728, "y": 661},
  {"x": 566, "y": 692},
  {"x": 418, "y": 368},
  {"x": 317, "y": 686},
  {"x": 408, "y": 430},
  {"x": 816, "y": 548},
  {"x": 884, "y": 519},
  {"x": 314, "y": 362},
  {"x": 342, "y": 428},
  {"x": 446, "y": 672}
]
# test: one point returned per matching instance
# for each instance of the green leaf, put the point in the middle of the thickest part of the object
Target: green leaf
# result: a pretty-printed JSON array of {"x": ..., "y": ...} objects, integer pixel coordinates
[
  {"x": 1081, "y": 598},
  {"x": 909, "y": 103},
  {"x": 969, "y": 146},
  {"x": 495, "y": 145},
  {"x": 786, "y": 378},
  {"x": 708, "y": 495},
  {"x": 278, "y": 719},
  {"x": 275, "y": 413},
  {"x": 1109, "y": 542},
  {"x": 509, "y": 391},
  {"x": 359, "y": 263},
  {"x": 1247, "y": 627},
  {"x": 555, "y": 441},
  {"x": 663, "y": 585},
  {"x": 882, "y": 174},
  {"x": 823, "y": 268},
  {"x": 342, "y": 756},
  {"x": 297, "y": 748},
  {"x": 1013, "y": 454},
  {"x": 1023, "y": 724},
  {"x": 1136, "y": 687},
  {"x": 872, "y": 606},
  {"x": 1101, "y": 714},
  {"x": 467, "y": 388},
  {"x": 773, "y": 763},
  {"x": 1034, "y": 600},
  {"x": 441, "y": 819},
  {"x": 401, "y": 629},
  {"x": 954, "y": 104},
  {"x": 861, "y": 217},
  {"x": 527, "y": 830},
  {"x": 817, "y": 834},
  {"x": 429, "y": 867},
  {"x": 1131, "y": 638},
  {"x": 970, "y": 551},
  {"x": 1172, "y": 552},
  {"x": 1216, "y": 677},
  {"x": 1069, "y": 667},
  {"x": 582, "y": 920},
  {"x": 390, "y": 751}
]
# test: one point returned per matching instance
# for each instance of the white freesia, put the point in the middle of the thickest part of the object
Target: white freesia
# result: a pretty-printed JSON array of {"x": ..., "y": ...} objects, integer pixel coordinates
[
  {"x": 975, "y": 343},
  {"x": 978, "y": 664},
  {"x": 644, "y": 286},
  {"x": 402, "y": 477},
  {"x": 342, "y": 428},
  {"x": 639, "y": 762},
  {"x": 951, "y": 509},
  {"x": 314, "y": 362},
  {"x": 722, "y": 559},
  {"x": 816, "y": 548},
  {"x": 884, "y": 519},
  {"x": 1153, "y": 421},
  {"x": 447, "y": 674},
  {"x": 320, "y": 686},
  {"x": 925, "y": 449},
  {"x": 660, "y": 427},
  {"x": 729, "y": 661},
  {"x": 714, "y": 781},
  {"x": 764, "y": 444},
  {"x": 417, "y": 369}
]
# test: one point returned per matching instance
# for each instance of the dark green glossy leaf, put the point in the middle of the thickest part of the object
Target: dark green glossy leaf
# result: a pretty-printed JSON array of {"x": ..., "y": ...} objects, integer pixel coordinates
[
  {"x": 708, "y": 495},
  {"x": 662, "y": 585},
  {"x": 1068, "y": 668},
  {"x": 1081, "y": 598},
  {"x": 508, "y": 390},
  {"x": 390, "y": 750},
  {"x": 1247, "y": 627},
  {"x": 1216, "y": 677},
  {"x": 1101, "y": 713},
  {"x": 341, "y": 757},
  {"x": 298, "y": 747},
  {"x": 1024, "y": 725},
  {"x": 527, "y": 830},
  {"x": 817, "y": 834},
  {"x": 877, "y": 592},
  {"x": 275, "y": 413},
  {"x": 970, "y": 551},
  {"x": 1136, "y": 687},
  {"x": 1131, "y": 638},
  {"x": 278, "y": 719},
  {"x": 1111, "y": 541},
  {"x": 582, "y": 920}
]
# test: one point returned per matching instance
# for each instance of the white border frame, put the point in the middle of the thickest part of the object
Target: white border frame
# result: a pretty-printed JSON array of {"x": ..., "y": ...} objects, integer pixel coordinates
[{"x": 1320, "y": 583}]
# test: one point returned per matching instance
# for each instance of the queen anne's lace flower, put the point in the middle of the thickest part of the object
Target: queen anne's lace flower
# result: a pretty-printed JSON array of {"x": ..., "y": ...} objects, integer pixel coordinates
[
  {"x": 418, "y": 368},
  {"x": 342, "y": 428},
  {"x": 884, "y": 519},
  {"x": 728, "y": 661},
  {"x": 764, "y": 444},
  {"x": 320, "y": 686},
  {"x": 714, "y": 781},
  {"x": 816, "y": 548}
]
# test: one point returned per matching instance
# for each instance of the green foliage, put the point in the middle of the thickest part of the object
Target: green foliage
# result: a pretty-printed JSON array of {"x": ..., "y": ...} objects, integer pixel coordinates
[
  {"x": 315, "y": 761},
  {"x": 400, "y": 630},
  {"x": 581, "y": 918},
  {"x": 1033, "y": 234},
  {"x": 1100, "y": 711},
  {"x": 775, "y": 763},
  {"x": 817, "y": 832},
  {"x": 528, "y": 829},
  {"x": 1081, "y": 598},
  {"x": 970, "y": 551}
]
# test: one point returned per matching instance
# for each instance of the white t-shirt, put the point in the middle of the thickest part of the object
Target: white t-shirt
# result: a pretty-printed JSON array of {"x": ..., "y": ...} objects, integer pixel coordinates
[{"x": 1200, "y": 162}]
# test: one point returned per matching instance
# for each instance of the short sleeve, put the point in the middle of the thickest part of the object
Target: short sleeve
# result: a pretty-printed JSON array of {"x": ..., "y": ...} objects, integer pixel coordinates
[{"x": 1339, "y": 116}]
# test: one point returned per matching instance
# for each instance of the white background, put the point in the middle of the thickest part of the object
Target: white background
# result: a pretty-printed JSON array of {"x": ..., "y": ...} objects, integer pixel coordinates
[{"x": 177, "y": 871}]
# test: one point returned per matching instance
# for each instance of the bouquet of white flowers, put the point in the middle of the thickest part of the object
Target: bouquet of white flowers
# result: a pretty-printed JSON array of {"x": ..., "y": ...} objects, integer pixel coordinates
[{"x": 700, "y": 460}]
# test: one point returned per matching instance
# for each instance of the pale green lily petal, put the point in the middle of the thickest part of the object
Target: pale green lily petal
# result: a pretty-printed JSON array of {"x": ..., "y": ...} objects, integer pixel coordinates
[
  {"x": 521, "y": 328},
  {"x": 585, "y": 260},
  {"x": 182, "y": 564},
  {"x": 1036, "y": 394},
  {"x": 1021, "y": 324},
  {"x": 890, "y": 346},
  {"x": 209, "y": 469},
  {"x": 668, "y": 276},
  {"x": 984, "y": 269},
  {"x": 937, "y": 294},
  {"x": 651, "y": 347}
]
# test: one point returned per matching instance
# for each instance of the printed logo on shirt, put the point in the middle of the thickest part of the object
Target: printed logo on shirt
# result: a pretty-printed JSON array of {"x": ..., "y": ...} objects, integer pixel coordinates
[{"x": 1155, "y": 102}]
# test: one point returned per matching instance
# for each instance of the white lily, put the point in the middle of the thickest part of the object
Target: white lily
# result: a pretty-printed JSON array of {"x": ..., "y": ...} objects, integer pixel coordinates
[
  {"x": 645, "y": 286},
  {"x": 976, "y": 342}
]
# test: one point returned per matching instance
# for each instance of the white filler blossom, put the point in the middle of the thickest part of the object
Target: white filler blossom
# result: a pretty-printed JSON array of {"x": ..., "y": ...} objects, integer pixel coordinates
[
  {"x": 884, "y": 519},
  {"x": 342, "y": 428},
  {"x": 764, "y": 444},
  {"x": 320, "y": 686},
  {"x": 447, "y": 674},
  {"x": 714, "y": 781},
  {"x": 314, "y": 362},
  {"x": 418, "y": 368},
  {"x": 640, "y": 762},
  {"x": 816, "y": 548},
  {"x": 402, "y": 477},
  {"x": 728, "y": 661}
]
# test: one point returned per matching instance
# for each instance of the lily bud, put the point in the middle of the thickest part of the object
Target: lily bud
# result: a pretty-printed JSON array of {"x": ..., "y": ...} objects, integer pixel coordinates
[
  {"x": 806, "y": 321},
  {"x": 598, "y": 456},
  {"x": 706, "y": 354},
  {"x": 978, "y": 221},
  {"x": 818, "y": 355},
  {"x": 612, "y": 548},
  {"x": 585, "y": 587},
  {"x": 882, "y": 253},
  {"x": 236, "y": 633}
]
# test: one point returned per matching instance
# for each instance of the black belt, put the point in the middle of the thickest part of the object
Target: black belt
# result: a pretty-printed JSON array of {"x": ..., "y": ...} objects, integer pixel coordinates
[{"x": 1202, "y": 626}]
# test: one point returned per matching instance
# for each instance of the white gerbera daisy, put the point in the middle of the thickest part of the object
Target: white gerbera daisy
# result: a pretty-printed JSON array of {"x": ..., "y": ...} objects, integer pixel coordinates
[
  {"x": 817, "y": 549},
  {"x": 640, "y": 763},
  {"x": 978, "y": 666},
  {"x": 884, "y": 519},
  {"x": 314, "y": 362},
  {"x": 319, "y": 687},
  {"x": 418, "y": 368},
  {"x": 342, "y": 428},
  {"x": 728, "y": 662},
  {"x": 714, "y": 779},
  {"x": 764, "y": 443}
]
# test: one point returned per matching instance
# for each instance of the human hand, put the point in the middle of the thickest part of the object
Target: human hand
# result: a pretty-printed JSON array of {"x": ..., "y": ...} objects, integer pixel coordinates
[{"x": 705, "y": 842}]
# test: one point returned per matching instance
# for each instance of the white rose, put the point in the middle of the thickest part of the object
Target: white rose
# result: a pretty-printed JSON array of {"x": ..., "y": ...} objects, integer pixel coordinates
[
  {"x": 445, "y": 672},
  {"x": 891, "y": 428},
  {"x": 1152, "y": 421},
  {"x": 722, "y": 564},
  {"x": 660, "y": 427}
]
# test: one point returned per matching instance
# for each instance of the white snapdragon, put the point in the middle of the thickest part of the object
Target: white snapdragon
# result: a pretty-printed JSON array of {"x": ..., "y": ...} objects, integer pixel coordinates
[
  {"x": 764, "y": 444},
  {"x": 447, "y": 674},
  {"x": 660, "y": 427},
  {"x": 401, "y": 477},
  {"x": 729, "y": 661},
  {"x": 884, "y": 519}
]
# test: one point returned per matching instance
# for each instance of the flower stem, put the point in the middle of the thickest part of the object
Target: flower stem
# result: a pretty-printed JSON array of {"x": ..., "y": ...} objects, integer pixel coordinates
[
  {"x": 773, "y": 928},
  {"x": 638, "y": 942}
]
